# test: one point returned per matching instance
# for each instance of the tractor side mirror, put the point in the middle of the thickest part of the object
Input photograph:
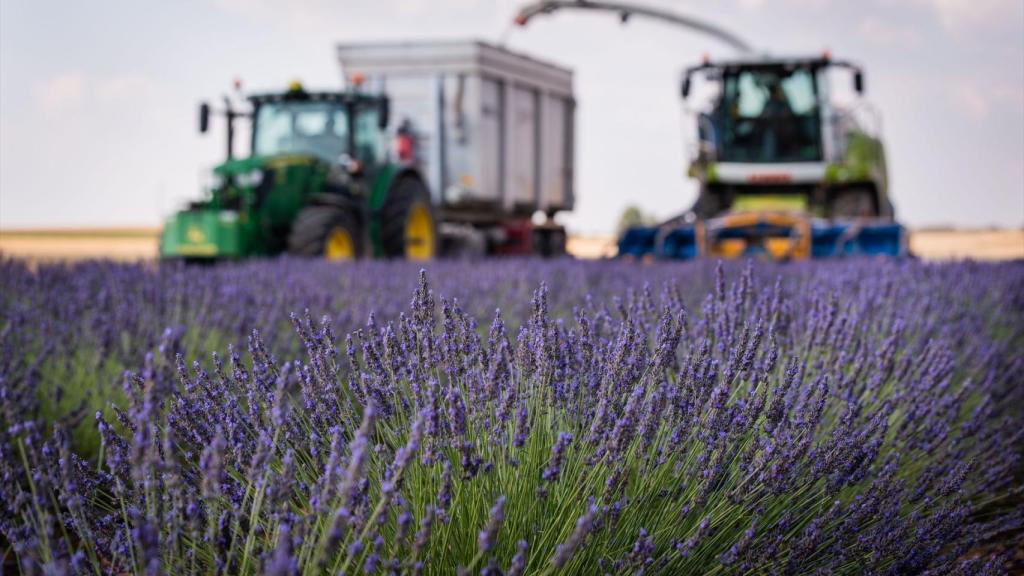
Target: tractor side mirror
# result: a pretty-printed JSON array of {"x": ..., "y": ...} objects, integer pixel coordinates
[
  {"x": 686, "y": 86},
  {"x": 858, "y": 82},
  {"x": 204, "y": 117},
  {"x": 385, "y": 113}
]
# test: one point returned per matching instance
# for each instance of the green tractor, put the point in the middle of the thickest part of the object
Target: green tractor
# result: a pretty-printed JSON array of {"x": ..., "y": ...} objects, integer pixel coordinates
[{"x": 319, "y": 181}]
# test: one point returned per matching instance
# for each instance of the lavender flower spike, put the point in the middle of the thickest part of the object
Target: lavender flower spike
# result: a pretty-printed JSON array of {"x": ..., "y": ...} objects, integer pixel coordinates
[
  {"x": 487, "y": 536},
  {"x": 565, "y": 551}
]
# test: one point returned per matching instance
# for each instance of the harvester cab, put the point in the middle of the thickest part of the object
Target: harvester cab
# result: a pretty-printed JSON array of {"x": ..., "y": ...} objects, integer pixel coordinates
[{"x": 315, "y": 183}]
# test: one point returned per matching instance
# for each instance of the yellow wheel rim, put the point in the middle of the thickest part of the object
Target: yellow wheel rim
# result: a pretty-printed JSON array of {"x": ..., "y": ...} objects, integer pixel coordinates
[
  {"x": 339, "y": 245},
  {"x": 419, "y": 234}
]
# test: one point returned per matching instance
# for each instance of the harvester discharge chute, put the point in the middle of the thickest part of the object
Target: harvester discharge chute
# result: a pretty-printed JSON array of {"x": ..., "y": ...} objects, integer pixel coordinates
[{"x": 779, "y": 236}]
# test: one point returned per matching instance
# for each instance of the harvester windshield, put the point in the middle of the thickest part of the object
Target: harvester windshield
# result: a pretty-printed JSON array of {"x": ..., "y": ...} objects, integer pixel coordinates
[
  {"x": 317, "y": 128},
  {"x": 768, "y": 114}
]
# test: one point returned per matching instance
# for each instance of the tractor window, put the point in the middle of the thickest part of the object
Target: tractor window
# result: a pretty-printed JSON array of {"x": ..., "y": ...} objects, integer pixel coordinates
[
  {"x": 316, "y": 128},
  {"x": 367, "y": 134},
  {"x": 750, "y": 96},
  {"x": 799, "y": 89},
  {"x": 769, "y": 114}
]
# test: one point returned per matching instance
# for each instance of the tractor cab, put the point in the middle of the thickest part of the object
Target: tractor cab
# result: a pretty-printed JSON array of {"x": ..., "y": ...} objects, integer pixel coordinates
[
  {"x": 785, "y": 134},
  {"x": 331, "y": 126}
]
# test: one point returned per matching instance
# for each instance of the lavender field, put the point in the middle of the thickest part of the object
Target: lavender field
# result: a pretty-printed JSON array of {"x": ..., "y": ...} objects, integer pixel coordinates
[{"x": 511, "y": 417}]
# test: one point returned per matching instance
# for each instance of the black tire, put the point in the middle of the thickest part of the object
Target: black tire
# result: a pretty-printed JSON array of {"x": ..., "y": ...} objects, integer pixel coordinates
[
  {"x": 853, "y": 203},
  {"x": 889, "y": 211},
  {"x": 710, "y": 203},
  {"x": 549, "y": 242},
  {"x": 407, "y": 195},
  {"x": 315, "y": 224}
]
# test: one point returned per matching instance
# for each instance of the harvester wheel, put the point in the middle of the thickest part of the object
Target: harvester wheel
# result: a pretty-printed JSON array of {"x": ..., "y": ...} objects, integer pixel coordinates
[
  {"x": 853, "y": 203},
  {"x": 326, "y": 231},
  {"x": 408, "y": 226},
  {"x": 709, "y": 203}
]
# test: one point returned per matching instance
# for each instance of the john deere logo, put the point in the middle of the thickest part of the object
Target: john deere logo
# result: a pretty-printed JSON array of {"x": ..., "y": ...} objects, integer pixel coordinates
[{"x": 195, "y": 235}]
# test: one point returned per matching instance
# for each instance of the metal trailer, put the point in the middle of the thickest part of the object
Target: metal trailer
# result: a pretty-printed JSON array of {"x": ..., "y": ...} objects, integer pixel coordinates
[{"x": 493, "y": 132}]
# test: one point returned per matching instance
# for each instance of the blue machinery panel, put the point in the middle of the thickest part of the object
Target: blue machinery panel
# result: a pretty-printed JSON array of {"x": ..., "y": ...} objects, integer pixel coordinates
[{"x": 827, "y": 239}]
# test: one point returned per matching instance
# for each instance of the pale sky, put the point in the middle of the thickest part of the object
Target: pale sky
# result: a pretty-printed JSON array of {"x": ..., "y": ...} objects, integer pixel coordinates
[{"x": 98, "y": 99}]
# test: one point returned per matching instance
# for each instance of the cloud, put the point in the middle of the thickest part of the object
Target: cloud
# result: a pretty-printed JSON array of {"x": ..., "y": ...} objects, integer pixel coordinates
[
  {"x": 60, "y": 92},
  {"x": 123, "y": 87},
  {"x": 970, "y": 101},
  {"x": 956, "y": 15},
  {"x": 68, "y": 91},
  {"x": 979, "y": 103},
  {"x": 883, "y": 33},
  {"x": 754, "y": 5},
  {"x": 750, "y": 4}
]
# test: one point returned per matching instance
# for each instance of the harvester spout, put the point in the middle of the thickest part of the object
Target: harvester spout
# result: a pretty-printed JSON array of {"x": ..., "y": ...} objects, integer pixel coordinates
[{"x": 625, "y": 11}]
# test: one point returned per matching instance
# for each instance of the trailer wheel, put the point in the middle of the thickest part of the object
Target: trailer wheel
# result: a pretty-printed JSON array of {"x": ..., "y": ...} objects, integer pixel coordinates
[
  {"x": 853, "y": 203},
  {"x": 326, "y": 231},
  {"x": 408, "y": 226},
  {"x": 549, "y": 242}
]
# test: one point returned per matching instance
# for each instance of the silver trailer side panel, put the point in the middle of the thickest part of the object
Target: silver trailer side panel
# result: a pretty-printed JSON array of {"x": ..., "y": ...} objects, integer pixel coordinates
[
  {"x": 525, "y": 148},
  {"x": 494, "y": 128},
  {"x": 556, "y": 142}
]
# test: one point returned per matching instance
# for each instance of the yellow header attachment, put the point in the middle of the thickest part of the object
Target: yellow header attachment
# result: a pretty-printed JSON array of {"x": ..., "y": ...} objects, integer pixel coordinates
[{"x": 773, "y": 235}]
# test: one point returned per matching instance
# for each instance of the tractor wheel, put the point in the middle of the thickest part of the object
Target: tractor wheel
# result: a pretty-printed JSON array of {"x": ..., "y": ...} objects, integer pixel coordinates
[
  {"x": 326, "y": 231},
  {"x": 853, "y": 203},
  {"x": 408, "y": 226}
]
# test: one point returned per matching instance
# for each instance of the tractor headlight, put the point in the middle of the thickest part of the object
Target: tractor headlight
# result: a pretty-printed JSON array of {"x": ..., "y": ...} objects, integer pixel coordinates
[{"x": 250, "y": 179}]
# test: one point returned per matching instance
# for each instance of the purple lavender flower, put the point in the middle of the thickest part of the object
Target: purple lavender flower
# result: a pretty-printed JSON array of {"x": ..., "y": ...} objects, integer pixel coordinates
[
  {"x": 485, "y": 538},
  {"x": 565, "y": 551},
  {"x": 282, "y": 563},
  {"x": 554, "y": 467},
  {"x": 518, "y": 564}
]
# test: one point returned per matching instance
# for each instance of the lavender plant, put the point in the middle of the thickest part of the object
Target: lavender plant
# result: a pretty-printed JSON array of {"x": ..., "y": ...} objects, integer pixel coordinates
[{"x": 854, "y": 417}]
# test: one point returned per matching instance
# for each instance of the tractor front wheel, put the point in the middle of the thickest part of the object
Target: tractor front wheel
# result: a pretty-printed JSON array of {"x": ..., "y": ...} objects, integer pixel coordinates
[
  {"x": 327, "y": 231},
  {"x": 408, "y": 227}
]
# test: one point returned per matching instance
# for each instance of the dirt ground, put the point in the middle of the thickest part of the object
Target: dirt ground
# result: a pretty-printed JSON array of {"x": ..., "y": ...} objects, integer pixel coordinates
[
  {"x": 977, "y": 244},
  {"x": 129, "y": 244},
  {"x": 125, "y": 244}
]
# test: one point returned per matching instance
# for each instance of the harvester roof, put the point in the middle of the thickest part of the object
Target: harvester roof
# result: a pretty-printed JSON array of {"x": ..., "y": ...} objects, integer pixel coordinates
[
  {"x": 771, "y": 62},
  {"x": 296, "y": 93}
]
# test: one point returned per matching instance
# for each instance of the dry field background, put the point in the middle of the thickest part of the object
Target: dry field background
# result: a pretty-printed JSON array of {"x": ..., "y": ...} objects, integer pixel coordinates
[{"x": 130, "y": 244}]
